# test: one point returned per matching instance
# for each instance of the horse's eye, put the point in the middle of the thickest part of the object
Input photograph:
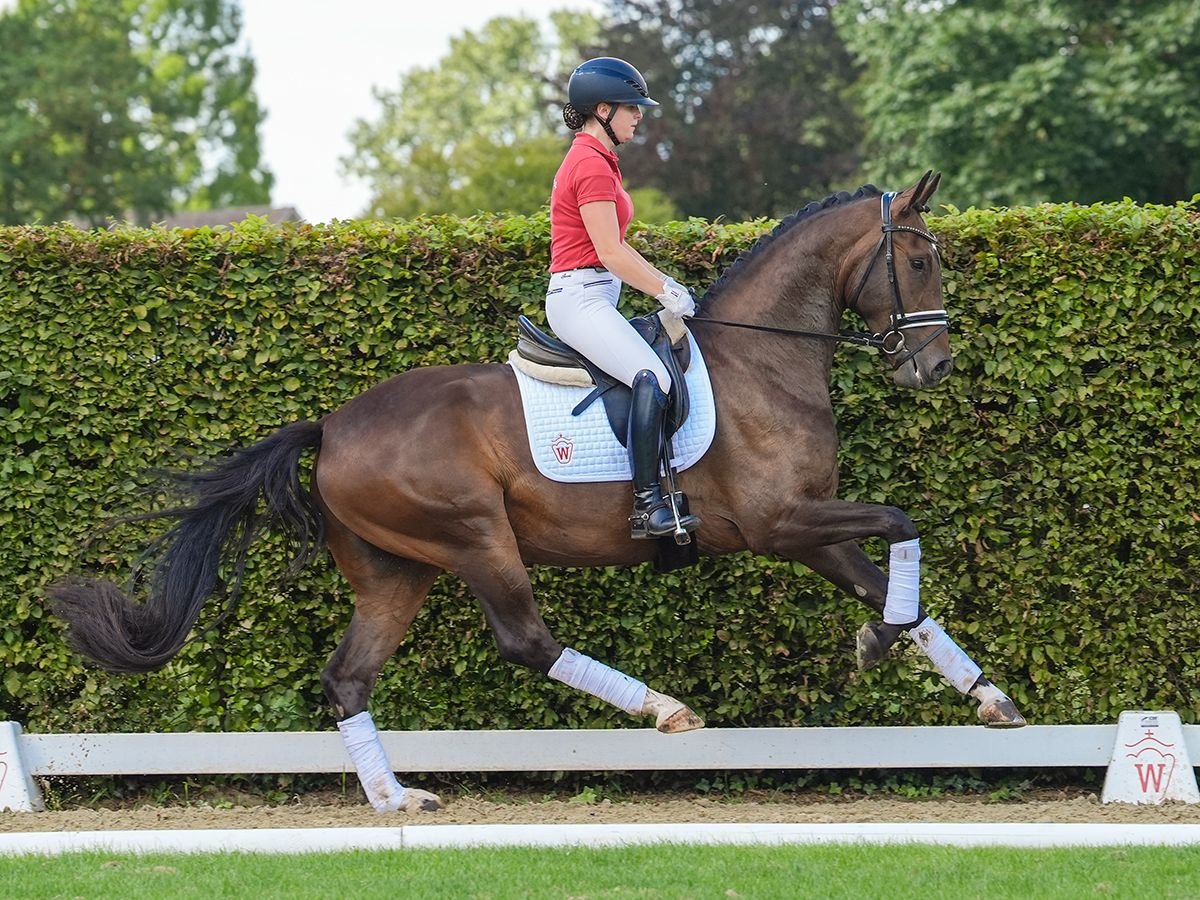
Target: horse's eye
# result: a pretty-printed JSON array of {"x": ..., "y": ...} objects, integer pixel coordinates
[{"x": 917, "y": 263}]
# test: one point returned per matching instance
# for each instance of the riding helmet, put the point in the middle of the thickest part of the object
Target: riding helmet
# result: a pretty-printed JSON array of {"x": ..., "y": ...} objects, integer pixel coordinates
[{"x": 607, "y": 79}]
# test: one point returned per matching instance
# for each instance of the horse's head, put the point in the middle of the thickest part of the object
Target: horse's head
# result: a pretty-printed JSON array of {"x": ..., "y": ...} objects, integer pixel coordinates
[{"x": 896, "y": 286}]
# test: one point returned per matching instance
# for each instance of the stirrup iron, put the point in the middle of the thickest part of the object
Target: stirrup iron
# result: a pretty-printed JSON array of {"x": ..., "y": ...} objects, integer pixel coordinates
[{"x": 684, "y": 523}]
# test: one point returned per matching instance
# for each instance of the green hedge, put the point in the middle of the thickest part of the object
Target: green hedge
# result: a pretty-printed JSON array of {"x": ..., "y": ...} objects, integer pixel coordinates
[{"x": 1053, "y": 478}]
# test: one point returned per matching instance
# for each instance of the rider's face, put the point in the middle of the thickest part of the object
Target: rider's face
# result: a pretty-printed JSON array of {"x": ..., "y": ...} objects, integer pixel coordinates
[{"x": 625, "y": 121}]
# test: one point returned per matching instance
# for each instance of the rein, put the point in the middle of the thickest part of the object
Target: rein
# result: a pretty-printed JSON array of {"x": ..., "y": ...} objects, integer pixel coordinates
[
  {"x": 860, "y": 338},
  {"x": 892, "y": 341}
]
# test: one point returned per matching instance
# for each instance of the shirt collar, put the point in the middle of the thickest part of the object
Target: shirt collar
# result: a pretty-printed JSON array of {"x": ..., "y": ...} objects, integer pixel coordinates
[{"x": 586, "y": 139}]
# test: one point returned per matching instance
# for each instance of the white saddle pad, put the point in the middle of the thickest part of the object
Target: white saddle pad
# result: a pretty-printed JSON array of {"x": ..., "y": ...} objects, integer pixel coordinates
[{"x": 583, "y": 448}]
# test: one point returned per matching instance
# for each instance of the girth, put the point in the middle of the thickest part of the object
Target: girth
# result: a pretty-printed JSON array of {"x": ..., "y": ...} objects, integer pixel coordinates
[{"x": 536, "y": 346}]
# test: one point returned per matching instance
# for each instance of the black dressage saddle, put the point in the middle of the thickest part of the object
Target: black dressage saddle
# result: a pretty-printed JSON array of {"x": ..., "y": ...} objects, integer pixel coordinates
[{"x": 538, "y": 347}]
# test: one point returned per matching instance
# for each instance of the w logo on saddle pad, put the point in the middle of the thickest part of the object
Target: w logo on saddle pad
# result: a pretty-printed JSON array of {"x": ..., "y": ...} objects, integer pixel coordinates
[
  {"x": 564, "y": 449},
  {"x": 583, "y": 448}
]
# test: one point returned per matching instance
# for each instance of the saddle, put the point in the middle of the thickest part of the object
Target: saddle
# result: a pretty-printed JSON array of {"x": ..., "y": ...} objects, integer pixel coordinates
[{"x": 539, "y": 348}]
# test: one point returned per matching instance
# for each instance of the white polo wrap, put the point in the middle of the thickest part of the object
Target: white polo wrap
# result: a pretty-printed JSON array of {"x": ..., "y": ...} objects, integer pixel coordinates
[
  {"x": 949, "y": 659},
  {"x": 904, "y": 583},
  {"x": 370, "y": 761},
  {"x": 585, "y": 674}
]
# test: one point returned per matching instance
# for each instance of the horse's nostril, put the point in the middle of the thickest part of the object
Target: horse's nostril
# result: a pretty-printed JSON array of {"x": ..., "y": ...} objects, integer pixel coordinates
[{"x": 942, "y": 369}]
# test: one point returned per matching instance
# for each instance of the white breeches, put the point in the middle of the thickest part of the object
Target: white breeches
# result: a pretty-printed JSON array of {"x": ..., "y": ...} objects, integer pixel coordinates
[{"x": 581, "y": 307}]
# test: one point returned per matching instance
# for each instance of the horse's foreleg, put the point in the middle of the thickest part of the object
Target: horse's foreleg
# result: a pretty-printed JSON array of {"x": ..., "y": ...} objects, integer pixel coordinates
[
  {"x": 522, "y": 637},
  {"x": 823, "y": 536},
  {"x": 583, "y": 673},
  {"x": 995, "y": 708},
  {"x": 848, "y": 567},
  {"x": 389, "y": 592}
]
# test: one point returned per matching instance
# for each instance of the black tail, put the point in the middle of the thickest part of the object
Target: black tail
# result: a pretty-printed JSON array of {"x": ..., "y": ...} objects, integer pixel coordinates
[{"x": 123, "y": 636}]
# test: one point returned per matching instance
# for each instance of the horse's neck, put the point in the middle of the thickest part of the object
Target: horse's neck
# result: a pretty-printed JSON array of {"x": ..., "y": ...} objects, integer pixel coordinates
[{"x": 791, "y": 288}]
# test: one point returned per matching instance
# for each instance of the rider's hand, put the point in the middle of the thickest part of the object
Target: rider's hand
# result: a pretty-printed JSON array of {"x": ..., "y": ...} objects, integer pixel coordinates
[{"x": 676, "y": 299}]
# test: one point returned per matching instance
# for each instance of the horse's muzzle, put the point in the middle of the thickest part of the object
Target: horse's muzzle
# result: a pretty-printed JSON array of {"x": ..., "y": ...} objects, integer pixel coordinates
[{"x": 919, "y": 373}]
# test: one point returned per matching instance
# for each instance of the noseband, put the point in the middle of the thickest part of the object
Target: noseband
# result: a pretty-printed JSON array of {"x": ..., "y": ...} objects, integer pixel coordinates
[{"x": 892, "y": 341}]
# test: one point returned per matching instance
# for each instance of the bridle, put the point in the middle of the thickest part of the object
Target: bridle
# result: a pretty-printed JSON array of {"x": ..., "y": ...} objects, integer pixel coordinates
[{"x": 892, "y": 341}]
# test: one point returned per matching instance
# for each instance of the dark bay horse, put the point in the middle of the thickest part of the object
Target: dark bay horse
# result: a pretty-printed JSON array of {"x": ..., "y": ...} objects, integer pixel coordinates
[{"x": 463, "y": 495}]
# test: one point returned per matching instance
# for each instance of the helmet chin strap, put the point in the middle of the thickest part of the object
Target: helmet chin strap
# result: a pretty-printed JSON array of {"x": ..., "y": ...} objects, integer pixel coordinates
[{"x": 607, "y": 126}]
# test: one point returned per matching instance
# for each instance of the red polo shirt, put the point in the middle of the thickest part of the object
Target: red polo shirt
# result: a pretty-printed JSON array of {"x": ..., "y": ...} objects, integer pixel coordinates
[{"x": 589, "y": 172}]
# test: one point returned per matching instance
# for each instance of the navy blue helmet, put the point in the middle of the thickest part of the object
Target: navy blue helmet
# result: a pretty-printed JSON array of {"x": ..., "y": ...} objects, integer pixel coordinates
[{"x": 607, "y": 79}]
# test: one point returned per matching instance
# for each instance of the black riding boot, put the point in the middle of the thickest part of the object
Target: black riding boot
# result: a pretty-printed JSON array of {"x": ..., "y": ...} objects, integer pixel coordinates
[{"x": 652, "y": 516}]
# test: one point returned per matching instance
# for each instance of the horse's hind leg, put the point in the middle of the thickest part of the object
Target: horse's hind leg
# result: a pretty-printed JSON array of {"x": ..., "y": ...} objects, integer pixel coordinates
[
  {"x": 388, "y": 593},
  {"x": 848, "y": 567},
  {"x": 498, "y": 579}
]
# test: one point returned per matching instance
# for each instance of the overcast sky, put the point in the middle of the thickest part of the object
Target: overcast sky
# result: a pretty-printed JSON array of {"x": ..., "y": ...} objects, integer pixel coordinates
[{"x": 317, "y": 62}]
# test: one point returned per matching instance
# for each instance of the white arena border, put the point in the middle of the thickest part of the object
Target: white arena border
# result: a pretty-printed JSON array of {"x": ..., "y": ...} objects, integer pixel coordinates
[{"x": 412, "y": 837}]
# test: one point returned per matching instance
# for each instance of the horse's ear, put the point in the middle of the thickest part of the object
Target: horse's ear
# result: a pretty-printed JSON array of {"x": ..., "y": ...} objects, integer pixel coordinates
[{"x": 918, "y": 201}]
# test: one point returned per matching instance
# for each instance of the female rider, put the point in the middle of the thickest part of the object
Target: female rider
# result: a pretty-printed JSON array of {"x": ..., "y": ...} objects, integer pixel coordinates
[{"x": 590, "y": 260}]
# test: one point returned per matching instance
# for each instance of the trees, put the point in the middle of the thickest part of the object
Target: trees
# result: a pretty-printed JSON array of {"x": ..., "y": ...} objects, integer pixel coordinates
[
  {"x": 1022, "y": 101},
  {"x": 137, "y": 107},
  {"x": 755, "y": 121},
  {"x": 476, "y": 131},
  {"x": 205, "y": 100}
]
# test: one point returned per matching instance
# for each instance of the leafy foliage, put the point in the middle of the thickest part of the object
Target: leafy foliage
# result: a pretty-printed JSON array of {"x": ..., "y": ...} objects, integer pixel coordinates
[
  {"x": 1053, "y": 479},
  {"x": 767, "y": 102},
  {"x": 117, "y": 109},
  {"x": 481, "y": 130},
  {"x": 754, "y": 111},
  {"x": 1028, "y": 101}
]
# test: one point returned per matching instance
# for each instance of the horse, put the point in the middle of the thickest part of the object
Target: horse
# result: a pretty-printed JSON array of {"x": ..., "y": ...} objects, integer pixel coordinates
[{"x": 464, "y": 496}]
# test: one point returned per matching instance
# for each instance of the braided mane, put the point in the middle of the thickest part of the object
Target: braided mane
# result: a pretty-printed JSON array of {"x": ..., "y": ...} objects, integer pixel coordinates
[{"x": 786, "y": 224}]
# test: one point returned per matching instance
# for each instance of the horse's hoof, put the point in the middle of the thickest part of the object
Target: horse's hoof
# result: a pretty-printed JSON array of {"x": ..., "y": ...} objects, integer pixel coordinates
[
  {"x": 683, "y": 719},
  {"x": 870, "y": 650},
  {"x": 420, "y": 801},
  {"x": 1000, "y": 713},
  {"x": 670, "y": 716}
]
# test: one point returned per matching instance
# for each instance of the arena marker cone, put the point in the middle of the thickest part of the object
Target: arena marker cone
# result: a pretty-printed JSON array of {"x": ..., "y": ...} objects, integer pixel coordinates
[
  {"x": 18, "y": 791},
  {"x": 1149, "y": 762}
]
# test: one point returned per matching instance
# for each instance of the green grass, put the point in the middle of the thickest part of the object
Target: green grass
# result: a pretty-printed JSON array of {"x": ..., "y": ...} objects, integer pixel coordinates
[{"x": 914, "y": 871}]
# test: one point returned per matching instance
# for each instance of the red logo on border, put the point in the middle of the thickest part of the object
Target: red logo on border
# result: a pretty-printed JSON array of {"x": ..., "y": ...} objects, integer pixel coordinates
[
  {"x": 1156, "y": 767},
  {"x": 564, "y": 449}
]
